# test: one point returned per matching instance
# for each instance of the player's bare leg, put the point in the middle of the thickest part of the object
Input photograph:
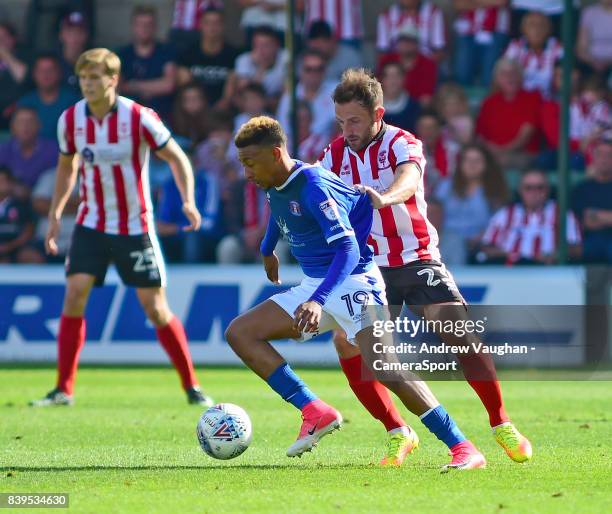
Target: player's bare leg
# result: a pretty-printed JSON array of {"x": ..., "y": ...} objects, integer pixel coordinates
[
  {"x": 249, "y": 335},
  {"x": 418, "y": 398},
  {"x": 479, "y": 371},
  {"x": 70, "y": 339},
  {"x": 374, "y": 396},
  {"x": 172, "y": 337}
]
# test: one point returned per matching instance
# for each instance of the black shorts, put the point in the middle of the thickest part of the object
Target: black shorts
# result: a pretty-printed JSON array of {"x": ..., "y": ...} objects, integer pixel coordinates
[
  {"x": 420, "y": 283},
  {"x": 138, "y": 259}
]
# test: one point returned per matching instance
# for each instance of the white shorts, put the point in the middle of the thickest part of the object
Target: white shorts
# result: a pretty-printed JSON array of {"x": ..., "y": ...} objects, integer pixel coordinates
[{"x": 344, "y": 306}]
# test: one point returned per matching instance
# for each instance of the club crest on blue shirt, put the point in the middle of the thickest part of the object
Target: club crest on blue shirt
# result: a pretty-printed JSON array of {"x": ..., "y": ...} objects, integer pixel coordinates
[
  {"x": 330, "y": 209},
  {"x": 294, "y": 208}
]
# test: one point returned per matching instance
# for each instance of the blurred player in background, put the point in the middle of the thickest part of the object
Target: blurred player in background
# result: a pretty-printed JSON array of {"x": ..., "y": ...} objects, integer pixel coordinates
[
  {"x": 327, "y": 225},
  {"x": 388, "y": 164},
  {"x": 107, "y": 139}
]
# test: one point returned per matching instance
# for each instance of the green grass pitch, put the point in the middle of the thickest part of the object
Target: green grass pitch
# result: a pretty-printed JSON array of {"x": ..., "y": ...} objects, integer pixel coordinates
[{"x": 129, "y": 445}]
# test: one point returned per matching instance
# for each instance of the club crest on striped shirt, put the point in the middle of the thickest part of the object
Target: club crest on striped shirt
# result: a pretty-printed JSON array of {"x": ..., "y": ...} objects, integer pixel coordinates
[
  {"x": 294, "y": 208},
  {"x": 382, "y": 159},
  {"x": 88, "y": 154}
]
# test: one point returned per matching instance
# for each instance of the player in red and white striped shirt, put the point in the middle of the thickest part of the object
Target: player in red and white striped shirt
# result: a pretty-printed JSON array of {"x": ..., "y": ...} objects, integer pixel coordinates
[
  {"x": 526, "y": 232},
  {"x": 424, "y": 16},
  {"x": 388, "y": 164},
  {"x": 106, "y": 139},
  {"x": 345, "y": 17}
]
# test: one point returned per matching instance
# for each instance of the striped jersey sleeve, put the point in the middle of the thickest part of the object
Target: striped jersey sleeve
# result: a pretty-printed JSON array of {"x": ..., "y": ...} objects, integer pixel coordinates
[{"x": 156, "y": 134}]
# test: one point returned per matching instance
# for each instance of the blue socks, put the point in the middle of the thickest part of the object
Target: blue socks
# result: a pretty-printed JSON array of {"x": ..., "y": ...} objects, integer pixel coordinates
[
  {"x": 440, "y": 424},
  {"x": 290, "y": 387}
]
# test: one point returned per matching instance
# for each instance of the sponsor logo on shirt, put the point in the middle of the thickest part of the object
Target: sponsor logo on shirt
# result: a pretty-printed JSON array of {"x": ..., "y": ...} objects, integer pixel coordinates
[{"x": 330, "y": 209}]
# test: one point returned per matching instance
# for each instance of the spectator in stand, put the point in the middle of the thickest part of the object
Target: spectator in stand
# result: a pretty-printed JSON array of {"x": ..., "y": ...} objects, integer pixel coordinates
[
  {"x": 440, "y": 153},
  {"x": 249, "y": 223},
  {"x": 311, "y": 144},
  {"x": 592, "y": 202},
  {"x": 211, "y": 62},
  {"x": 481, "y": 34},
  {"x": 468, "y": 199},
  {"x": 74, "y": 40},
  {"x": 190, "y": 246},
  {"x": 214, "y": 154},
  {"x": 263, "y": 13},
  {"x": 452, "y": 106},
  {"x": 525, "y": 232},
  {"x": 252, "y": 103},
  {"x": 420, "y": 72},
  {"x": 13, "y": 72},
  {"x": 16, "y": 220},
  {"x": 185, "y": 26},
  {"x": 345, "y": 17},
  {"x": 537, "y": 52},
  {"x": 552, "y": 9},
  {"x": 339, "y": 56},
  {"x": 594, "y": 44},
  {"x": 318, "y": 92},
  {"x": 191, "y": 115},
  {"x": 27, "y": 154},
  {"x": 265, "y": 64},
  {"x": 594, "y": 117},
  {"x": 148, "y": 71},
  {"x": 50, "y": 98},
  {"x": 515, "y": 141},
  {"x": 400, "y": 110},
  {"x": 550, "y": 123},
  {"x": 42, "y": 194},
  {"x": 422, "y": 16},
  {"x": 43, "y": 18}
]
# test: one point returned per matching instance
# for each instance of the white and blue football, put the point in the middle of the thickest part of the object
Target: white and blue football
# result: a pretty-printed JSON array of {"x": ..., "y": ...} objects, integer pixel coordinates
[{"x": 224, "y": 431}]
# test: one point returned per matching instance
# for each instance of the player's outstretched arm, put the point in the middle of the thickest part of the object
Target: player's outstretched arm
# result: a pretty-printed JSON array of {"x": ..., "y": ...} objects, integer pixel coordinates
[
  {"x": 405, "y": 184},
  {"x": 65, "y": 179},
  {"x": 183, "y": 176}
]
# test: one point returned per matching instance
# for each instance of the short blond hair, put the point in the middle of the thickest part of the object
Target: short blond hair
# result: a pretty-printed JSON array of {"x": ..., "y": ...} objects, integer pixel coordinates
[
  {"x": 260, "y": 131},
  {"x": 110, "y": 60}
]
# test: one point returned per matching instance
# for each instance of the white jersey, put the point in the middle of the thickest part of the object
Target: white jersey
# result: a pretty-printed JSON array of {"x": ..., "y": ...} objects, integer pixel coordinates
[
  {"x": 400, "y": 233},
  {"x": 114, "y": 164}
]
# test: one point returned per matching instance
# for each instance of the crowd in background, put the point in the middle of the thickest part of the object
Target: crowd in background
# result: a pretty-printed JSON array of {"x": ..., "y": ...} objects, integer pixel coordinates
[{"x": 479, "y": 84}]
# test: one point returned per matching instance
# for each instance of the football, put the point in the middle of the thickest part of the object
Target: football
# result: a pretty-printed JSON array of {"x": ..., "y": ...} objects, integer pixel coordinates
[{"x": 224, "y": 431}]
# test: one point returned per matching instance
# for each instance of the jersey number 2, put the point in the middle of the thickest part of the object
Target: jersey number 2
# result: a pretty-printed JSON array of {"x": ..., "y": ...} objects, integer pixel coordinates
[{"x": 430, "y": 276}]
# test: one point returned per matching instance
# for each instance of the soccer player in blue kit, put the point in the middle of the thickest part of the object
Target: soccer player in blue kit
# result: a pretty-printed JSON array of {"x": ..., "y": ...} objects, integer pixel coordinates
[{"x": 327, "y": 224}]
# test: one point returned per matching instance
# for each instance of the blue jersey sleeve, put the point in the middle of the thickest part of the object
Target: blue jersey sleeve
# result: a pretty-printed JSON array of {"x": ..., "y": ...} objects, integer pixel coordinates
[
  {"x": 330, "y": 214},
  {"x": 268, "y": 244}
]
